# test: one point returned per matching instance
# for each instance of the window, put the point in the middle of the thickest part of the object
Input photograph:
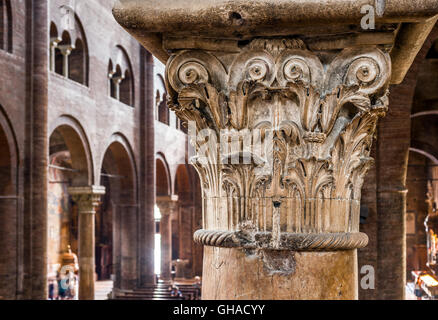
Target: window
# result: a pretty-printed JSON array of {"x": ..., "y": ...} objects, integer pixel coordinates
[
  {"x": 77, "y": 66},
  {"x": 120, "y": 77},
  {"x": 68, "y": 51},
  {"x": 163, "y": 111},
  {"x": 5, "y": 26}
]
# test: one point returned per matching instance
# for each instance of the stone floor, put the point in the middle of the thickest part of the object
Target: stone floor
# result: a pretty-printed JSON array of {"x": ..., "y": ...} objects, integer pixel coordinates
[{"x": 102, "y": 288}]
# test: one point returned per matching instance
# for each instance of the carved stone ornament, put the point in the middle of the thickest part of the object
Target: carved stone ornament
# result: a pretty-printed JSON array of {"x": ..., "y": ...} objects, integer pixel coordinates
[
  {"x": 282, "y": 138},
  {"x": 87, "y": 198}
]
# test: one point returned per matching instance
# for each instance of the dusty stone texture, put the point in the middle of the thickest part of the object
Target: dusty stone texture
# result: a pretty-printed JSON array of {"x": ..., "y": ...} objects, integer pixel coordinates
[{"x": 233, "y": 274}]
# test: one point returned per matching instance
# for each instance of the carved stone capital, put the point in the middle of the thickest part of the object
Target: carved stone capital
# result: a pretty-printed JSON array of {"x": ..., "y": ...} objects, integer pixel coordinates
[
  {"x": 283, "y": 137},
  {"x": 87, "y": 198},
  {"x": 65, "y": 49},
  {"x": 168, "y": 205}
]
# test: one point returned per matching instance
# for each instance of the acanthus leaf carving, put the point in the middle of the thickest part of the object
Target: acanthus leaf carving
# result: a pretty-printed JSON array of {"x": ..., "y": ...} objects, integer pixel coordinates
[{"x": 311, "y": 123}]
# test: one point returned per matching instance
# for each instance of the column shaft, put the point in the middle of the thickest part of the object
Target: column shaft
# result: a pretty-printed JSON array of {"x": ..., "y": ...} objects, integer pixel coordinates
[
  {"x": 231, "y": 274},
  {"x": 86, "y": 198},
  {"x": 37, "y": 150},
  {"x": 86, "y": 255},
  {"x": 166, "y": 246}
]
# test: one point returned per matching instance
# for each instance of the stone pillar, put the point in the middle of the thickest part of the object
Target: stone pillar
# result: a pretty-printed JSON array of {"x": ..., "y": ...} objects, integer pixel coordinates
[
  {"x": 116, "y": 81},
  {"x": 147, "y": 185},
  {"x": 168, "y": 207},
  {"x": 87, "y": 198},
  {"x": 186, "y": 234},
  {"x": 35, "y": 161},
  {"x": 282, "y": 136},
  {"x": 65, "y": 49},
  {"x": 53, "y": 45}
]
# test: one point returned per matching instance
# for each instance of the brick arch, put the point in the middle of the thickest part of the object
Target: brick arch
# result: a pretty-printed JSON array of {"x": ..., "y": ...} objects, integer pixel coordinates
[
  {"x": 163, "y": 177},
  {"x": 66, "y": 21},
  {"x": 76, "y": 140},
  {"x": 431, "y": 156},
  {"x": 9, "y": 208},
  {"x": 120, "y": 66},
  {"x": 119, "y": 211},
  {"x": 9, "y": 155},
  {"x": 183, "y": 185},
  {"x": 118, "y": 159}
]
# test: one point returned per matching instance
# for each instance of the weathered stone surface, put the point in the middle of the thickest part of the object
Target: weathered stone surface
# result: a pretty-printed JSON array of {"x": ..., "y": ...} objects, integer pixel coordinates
[
  {"x": 305, "y": 131},
  {"x": 234, "y": 274}
]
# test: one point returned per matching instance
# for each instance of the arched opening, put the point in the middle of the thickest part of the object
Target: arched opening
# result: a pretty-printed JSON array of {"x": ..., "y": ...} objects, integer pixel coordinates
[
  {"x": 116, "y": 219},
  {"x": 416, "y": 212},
  {"x": 69, "y": 53},
  {"x": 77, "y": 66},
  {"x": 163, "y": 111},
  {"x": 188, "y": 189},
  {"x": 115, "y": 79},
  {"x": 182, "y": 240},
  {"x": 121, "y": 80},
  {"x": 68, "y": 166},
  {"x": 111, "y": 87},
  {"x": 62, "y": 51},
  {"x": 6, "y": 25},
  {"x": 163, "y": 185},
  {"x": 54, "y": 50},
  {"x": 126, "y": 89},
  {"x": 8, "y": 212},
  {"x": 162, "y": 222}
]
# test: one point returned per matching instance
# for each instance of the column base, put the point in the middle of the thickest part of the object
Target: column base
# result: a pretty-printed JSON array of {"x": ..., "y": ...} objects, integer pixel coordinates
[{"x": 235, "y": 274}]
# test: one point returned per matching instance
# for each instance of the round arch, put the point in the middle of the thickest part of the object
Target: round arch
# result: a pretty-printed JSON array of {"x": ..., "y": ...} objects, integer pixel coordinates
[
  {"x": 426, "y": 154},
  {"x": 163, "y": 177},
  {"x": 118, "y": 160},
  {"x": 115, "y": 246},
  {"x": 9, "y": 208},
  {"x": 183, "y": 184},
  {"x": 9, "y": 146},
  {"x": 76, "y": 141}
]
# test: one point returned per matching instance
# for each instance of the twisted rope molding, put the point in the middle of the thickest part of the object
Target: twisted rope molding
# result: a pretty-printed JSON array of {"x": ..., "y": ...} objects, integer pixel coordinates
[{"x": 288, "y": 241}]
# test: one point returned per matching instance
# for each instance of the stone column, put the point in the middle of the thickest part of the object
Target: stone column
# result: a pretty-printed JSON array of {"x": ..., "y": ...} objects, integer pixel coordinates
[
  {"x": 283, "y": 136},
  {"x": 116, "y": 81},
  {"x": 53, "y": 45},
  {"x": 35, "y": 161},
  {"x": 168, "y": 207},
  {"x": 87, "y": 198},
  {"x": 65, "y": 49},
  {"x": 186, "y": 215}
]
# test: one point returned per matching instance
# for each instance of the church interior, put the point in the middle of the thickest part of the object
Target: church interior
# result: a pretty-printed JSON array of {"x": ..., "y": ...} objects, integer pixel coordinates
[{"x": 103, "y": 196}]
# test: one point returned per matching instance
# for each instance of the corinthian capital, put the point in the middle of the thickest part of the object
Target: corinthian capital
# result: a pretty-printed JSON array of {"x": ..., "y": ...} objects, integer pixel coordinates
[
  {"x": 283, "y": 137},
  {"x": 87, "y": 198},
  {"x": 168, "y": 205}
]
